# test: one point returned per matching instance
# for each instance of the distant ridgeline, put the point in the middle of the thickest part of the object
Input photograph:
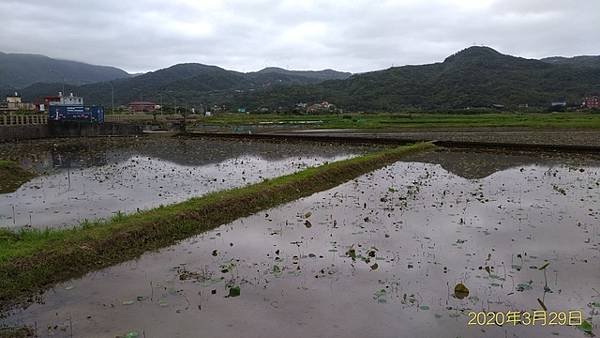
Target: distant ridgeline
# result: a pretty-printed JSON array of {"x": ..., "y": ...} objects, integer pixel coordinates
[
  {"x": 21, "y": 70},
  {"x": 472, "y": 78}
]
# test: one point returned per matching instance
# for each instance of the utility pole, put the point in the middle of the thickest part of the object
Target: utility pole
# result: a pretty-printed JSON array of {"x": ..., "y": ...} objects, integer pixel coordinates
[
  {"x": 184, "y": 121},
  {"x": 161, "y": 104},
  {"x": 112, "y": 96}
]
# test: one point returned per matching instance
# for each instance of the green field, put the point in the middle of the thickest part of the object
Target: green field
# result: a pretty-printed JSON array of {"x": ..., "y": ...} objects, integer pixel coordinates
[{"x": 420, "y": 120}]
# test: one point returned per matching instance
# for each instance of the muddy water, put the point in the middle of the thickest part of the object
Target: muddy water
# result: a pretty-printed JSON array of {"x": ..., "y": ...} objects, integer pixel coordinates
[
  {"x": 416, "y": 230},
  {"x": 97, "y": 178}
]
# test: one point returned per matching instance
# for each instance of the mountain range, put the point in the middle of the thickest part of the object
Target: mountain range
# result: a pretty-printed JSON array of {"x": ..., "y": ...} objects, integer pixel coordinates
[
  {"x": 474, "y": 77},
  {"x": 21, "y": 70},
  {"x": 189, "y": 83},
  {"x": 583, "y": 60}
]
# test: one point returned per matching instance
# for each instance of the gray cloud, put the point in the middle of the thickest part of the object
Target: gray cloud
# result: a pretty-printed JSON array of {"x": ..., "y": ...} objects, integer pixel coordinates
[{"x": 353, "y": 35}]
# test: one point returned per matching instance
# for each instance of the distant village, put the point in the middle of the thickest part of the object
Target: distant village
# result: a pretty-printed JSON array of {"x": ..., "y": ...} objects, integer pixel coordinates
[
  {"x": 50, "y": 104},
  {"x": 66, "y": 106},
  {"x": 325, "y": 107},
  {"x": 53, "y": 108}
]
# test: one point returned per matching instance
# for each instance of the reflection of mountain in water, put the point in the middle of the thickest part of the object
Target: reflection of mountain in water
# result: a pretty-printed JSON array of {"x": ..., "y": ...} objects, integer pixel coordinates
[
  {"x": 194, "y": 152},
  {"x": 46, "y": 155},
  {"x": 477, "y": 164}
]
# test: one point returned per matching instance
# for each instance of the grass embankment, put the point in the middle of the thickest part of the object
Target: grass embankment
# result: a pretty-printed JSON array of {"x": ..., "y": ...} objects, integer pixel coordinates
[
  {"x": 417, "y": 120},
  {"x": 12, "y": 176},
  {"x": 33, "y": 260}
]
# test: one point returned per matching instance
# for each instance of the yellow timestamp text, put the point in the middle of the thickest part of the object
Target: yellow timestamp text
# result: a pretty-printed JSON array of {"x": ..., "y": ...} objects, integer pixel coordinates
[{"x": 533, "y": 318}]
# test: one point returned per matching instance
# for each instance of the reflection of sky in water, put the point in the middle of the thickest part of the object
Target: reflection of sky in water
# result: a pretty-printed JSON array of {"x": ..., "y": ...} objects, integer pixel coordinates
[
  {"x": 98, "y": 177},
  {"x": 72, "y": 195},
  {"x": 428, "y": 229},
  {"x": 55, "y": 155}
]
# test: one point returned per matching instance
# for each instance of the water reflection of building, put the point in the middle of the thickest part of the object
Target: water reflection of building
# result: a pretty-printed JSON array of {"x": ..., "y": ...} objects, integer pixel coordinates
[
  {"x": 60, "y": 161},
  {"x": 78, "y": 157}
]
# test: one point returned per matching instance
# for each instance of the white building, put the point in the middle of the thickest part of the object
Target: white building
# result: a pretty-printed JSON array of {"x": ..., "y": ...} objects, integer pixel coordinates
[{"x": 70, "y": 100}]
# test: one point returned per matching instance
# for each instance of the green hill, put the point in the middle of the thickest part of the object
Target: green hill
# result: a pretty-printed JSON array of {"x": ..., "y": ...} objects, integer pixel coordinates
[
  {"x": 583, "y": 60},
  {"x": 190, "y": 83},
  {"x": 21, "y": 70},
  {"x": 474, "y": 77},
  {"x": 319, "y": 75}
]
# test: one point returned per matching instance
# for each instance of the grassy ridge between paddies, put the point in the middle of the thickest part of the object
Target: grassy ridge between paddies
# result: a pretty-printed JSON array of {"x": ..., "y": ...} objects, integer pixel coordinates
[
  {"x": 31, "y": 261},
  {"x": 12, "y": 176}
]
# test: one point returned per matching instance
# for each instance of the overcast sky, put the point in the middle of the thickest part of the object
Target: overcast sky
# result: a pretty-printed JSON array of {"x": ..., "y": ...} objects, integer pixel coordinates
[{"x": 247, "y": 35}]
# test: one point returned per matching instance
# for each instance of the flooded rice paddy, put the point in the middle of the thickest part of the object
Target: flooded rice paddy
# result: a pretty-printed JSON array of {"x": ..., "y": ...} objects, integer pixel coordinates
[
  {"x": 379, "y": 256},
  {"x": 98, "y": 178}
]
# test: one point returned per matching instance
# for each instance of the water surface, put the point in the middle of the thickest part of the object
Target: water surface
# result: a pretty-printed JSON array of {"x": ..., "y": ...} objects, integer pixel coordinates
[
  {"x": 97, "y": 178},
  {"x": 416, "y": 230}
]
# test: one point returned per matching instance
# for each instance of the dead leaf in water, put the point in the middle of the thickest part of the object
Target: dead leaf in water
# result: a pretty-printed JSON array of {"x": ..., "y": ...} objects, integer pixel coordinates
[{"x": 461, "y": 291}]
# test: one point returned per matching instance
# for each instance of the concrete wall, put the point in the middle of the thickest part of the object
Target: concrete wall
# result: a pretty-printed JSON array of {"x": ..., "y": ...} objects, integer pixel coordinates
[
  {"x": 29, "y": 132},
  {"x": 74, "y": 129}
]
